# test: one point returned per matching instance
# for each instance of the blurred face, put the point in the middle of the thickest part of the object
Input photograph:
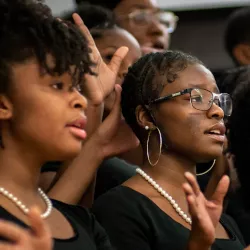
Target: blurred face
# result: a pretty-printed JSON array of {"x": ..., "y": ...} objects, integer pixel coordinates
[
  {"x": 109, "y": 43},
  {"x": 189, "y": 132},
  {"x": 47, "y": 116},
  {"x": 145, "y": 21}
]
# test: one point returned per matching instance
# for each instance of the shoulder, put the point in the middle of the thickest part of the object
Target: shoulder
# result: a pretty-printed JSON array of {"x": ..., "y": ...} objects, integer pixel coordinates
[
  {"x": 229, "y": 223},
  {"x": 82, "y": 214},
  {"x": 120, "y": 197}
]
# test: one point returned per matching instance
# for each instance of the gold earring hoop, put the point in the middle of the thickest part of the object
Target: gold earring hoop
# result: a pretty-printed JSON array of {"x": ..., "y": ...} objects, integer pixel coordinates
[
  {"x": 160, "y": 138},
  {"x": 207, "y": 170}
]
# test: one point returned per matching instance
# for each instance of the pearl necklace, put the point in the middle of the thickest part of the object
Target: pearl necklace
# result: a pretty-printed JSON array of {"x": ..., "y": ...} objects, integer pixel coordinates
[
  {"x": 23, "y": 208},
  {"x": 165, "y": 195}
]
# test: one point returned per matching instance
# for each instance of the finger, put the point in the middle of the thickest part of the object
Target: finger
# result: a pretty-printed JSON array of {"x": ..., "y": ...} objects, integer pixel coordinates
[
  {"x": 8, "y": 246},
  {"x": 116, "y": 109},
  {"x": 191, "y": 198},
  {"x": 221, "y": 190},
  {"x": 193, "y": 182},
  {"x": 85, "y": 31},
  {"x": 117, "y": 59},
  {"x": 39, "y": 227},
  {"x": 188, "y": 189},
  {"x": 11, "y": 231}
]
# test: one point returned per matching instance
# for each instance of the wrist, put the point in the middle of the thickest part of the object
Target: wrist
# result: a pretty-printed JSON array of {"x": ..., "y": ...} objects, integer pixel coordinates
[{"x": 93, "y": 148}]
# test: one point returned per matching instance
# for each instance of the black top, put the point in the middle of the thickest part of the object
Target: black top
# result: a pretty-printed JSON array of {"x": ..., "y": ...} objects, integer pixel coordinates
[
  {"x": 113, "y": 172},
  {"x": 133, "y": 221},
  {"x": 89, "y": 235}
]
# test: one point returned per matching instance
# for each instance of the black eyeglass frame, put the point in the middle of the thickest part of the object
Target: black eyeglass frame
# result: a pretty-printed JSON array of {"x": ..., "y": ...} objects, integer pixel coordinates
[{"x": 216, "y": 98}]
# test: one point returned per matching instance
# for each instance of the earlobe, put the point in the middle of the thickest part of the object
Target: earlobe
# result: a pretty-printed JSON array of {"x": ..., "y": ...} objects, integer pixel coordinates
[
  {"x": 5, "y": 108},
  {"x": 242, "y": 54},
  {"x": 143, "y": 118}
]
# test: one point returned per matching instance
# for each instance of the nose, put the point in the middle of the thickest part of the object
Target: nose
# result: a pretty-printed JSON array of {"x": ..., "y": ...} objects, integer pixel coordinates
[
  {"x": 156, "y": 29},
  {"x": 215, "y": 112},
  {"x": 78, "y": 101}
]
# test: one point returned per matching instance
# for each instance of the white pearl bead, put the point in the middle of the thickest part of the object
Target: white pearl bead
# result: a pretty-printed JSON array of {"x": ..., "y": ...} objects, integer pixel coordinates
[
  {"x": 23, "y": 207},
  {"x": 164, "y": 194}
]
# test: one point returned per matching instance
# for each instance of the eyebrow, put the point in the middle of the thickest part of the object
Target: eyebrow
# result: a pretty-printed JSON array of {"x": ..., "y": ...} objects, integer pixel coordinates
[
  {"x": 143, "y": 7},
  {"x": 215, "y": 89}
]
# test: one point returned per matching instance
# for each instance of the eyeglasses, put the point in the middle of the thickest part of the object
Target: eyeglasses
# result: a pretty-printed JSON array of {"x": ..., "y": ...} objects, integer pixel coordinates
[
  {"x": 202, "y": 99},
  {"x": 145, "y": 17}
]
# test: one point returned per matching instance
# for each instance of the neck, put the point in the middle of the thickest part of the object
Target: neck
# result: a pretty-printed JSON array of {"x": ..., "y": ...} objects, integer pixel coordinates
[
  {"x": 19, "y": 170},
  {"x": 170, "y": 169}
]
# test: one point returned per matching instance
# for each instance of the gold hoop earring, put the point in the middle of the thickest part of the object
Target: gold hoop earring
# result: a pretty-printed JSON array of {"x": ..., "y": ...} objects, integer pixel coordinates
[
  {"x": 160, "y": 138},
  {"x": 207, "y": 170}
]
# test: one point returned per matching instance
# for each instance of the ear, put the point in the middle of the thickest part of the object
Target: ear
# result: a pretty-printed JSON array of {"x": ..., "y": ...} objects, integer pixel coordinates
[
  {"x": 6, "y": 110},
  {"x": 143, "y": 118},
  {"x": 242, "y": 54}
]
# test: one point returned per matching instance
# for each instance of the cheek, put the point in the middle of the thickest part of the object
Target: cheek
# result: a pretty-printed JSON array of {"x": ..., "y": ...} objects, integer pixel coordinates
[
  {"x": 38, "y": 117},
  {"x": 183, "y": 130}
]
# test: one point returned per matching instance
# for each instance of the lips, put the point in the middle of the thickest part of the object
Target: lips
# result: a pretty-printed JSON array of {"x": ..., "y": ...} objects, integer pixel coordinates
[
  {"x": 77, "y": 128},
  {"x": 156, "y": 46},
  {"x": 217, "y": 132}
]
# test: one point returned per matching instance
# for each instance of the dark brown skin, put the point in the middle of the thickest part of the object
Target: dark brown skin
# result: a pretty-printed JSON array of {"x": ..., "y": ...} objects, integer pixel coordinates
[
  {"x": 184, "y": 129},
  {"x": 31, "y": 127},
  {"x": 148, "y": 35},
  {"x": 108, "y": 44}
]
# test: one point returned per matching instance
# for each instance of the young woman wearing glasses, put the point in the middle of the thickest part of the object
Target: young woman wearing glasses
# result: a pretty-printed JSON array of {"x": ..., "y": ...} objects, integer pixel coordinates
[
  {"x": 172, "y": 103},
  {"x": 150, "y": 25}
]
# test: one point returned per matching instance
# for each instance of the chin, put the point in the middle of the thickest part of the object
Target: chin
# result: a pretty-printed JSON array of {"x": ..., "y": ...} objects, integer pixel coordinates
[
  {"x": 69, "y": 152},
  {"x": 210, "y": 155}
]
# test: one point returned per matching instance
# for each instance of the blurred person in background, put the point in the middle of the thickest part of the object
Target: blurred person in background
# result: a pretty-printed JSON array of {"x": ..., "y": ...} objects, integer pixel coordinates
[
  {"x": 237, "y": 36},
  {"x": 149, "y": 24}
]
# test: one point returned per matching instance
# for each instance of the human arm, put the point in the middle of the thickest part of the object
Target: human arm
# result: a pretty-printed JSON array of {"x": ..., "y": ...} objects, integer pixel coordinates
[{"x": 205, "y": 213}]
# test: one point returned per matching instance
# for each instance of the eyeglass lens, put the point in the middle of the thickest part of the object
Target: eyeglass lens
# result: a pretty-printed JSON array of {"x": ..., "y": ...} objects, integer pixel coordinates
[{"x": 202, "y": 99}]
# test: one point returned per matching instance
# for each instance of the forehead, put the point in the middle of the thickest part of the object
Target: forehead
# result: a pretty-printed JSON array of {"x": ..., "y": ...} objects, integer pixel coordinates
[
  {"x": 129, "y": 5},
  {"x": 118, "y": 37},
  {"x": 194, "y": 76}
]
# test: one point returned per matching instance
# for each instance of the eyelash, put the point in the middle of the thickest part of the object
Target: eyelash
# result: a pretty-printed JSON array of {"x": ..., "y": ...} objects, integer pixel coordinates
[
  {"x": 58, "y": 85},
  {"x": 109, "y": 57}
]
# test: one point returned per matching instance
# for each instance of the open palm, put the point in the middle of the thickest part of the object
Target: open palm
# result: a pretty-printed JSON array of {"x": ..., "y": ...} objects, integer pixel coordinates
[
  {"x": 205, "y": 213},
  {"x": 114, "y": 135},
  {"x": 100, "y": 86}
]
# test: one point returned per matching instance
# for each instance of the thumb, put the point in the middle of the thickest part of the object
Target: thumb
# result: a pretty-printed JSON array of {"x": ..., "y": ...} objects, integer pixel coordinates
[
  {"x": 39, "y": 227},
  {"x": 221, "y": 190},
  {"x": 117, "y": 59}
]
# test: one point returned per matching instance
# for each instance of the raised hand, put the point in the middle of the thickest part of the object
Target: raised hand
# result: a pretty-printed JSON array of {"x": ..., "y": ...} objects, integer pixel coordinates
[
  {"x": 114, "y": 136},
  {"x": 22, "y": 239},
  {"x": 205, "y": 213},
  {"x": 100, "y": 86}
]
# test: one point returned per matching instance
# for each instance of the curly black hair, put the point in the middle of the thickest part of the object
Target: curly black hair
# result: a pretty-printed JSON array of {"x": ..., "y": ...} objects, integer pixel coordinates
[
  {"x": 29, "y": 30},
  {"x": 237, "y": 30},
  {"x": 239, "y": 132},
  {"x": 147, "y": 78}
]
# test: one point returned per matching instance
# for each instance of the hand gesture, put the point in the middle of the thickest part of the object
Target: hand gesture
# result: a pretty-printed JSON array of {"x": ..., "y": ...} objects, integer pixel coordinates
[
  {"x": 205, "y": 213},
  {"x": 22, "y": 239},
  {"x": 100, "y": 86},
  {"x": 114, "y": 136}
]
